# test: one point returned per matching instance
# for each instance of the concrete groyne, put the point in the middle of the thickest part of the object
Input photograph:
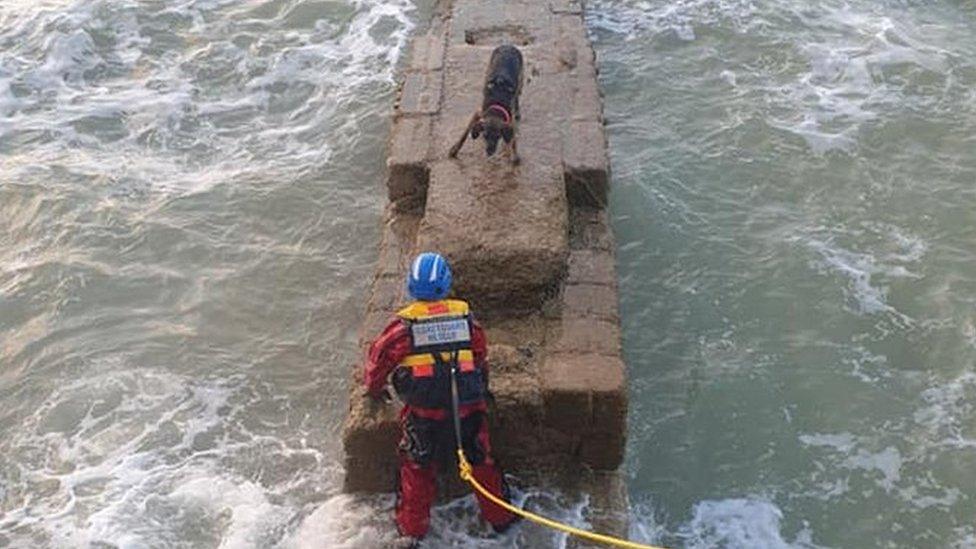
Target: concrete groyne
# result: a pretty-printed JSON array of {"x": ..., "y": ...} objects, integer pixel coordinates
[{"x": 530, "y": 245}]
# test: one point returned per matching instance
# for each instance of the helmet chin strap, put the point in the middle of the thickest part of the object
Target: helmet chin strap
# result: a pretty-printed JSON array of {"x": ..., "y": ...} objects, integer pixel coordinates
[{"x": 503, "y": 110}]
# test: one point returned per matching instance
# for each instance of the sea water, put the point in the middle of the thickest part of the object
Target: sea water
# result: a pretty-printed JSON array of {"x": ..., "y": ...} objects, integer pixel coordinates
[{"x": 190, "y": 194}]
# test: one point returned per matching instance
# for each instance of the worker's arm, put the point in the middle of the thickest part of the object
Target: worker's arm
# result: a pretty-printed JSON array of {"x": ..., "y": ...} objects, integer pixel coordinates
[{"x": 384, "y": 355}]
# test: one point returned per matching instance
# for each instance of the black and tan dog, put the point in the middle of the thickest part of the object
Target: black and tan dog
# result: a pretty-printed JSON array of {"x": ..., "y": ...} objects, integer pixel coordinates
[{"x": 500, "y": 107}]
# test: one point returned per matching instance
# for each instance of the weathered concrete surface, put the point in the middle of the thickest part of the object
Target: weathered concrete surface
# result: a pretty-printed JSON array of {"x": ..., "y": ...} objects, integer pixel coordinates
[
  {"x": 497, "y": 228},
  {"x": 530, "y": 245},
  {"x": 371, "y": 429}
]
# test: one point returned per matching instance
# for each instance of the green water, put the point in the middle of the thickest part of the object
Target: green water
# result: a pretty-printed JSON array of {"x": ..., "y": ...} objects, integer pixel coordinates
[
  {"x": 794, "y": 197},
  {"x": 190, "y": 195}
]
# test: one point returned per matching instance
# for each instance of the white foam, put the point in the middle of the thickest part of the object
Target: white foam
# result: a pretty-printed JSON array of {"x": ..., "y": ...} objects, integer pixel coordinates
[
  {"x": 113, "y": 445},
  {"x": 841, "y": 442},
  {"x": 923, "y": 498},
  {"x": 947, "y": 410},
  {"x": 906, "y": 247},
  {"x": 965, "y": 537},
  {"x": 942, "y": 428},
  {"x": 363, "y": 522},
  {"x": 8, "y": 101},
  {"x": 867, "y": 366},
  {"x": 251, "y": 515},
  {"x": 636, "y": 19},
  {"x": 895, "y": 251},
  {"x": 732, "y": 523},
  {"x": 844, "y": 85},
  {"x": 287, "y": 116},
  {"x": 827, "y": 103},
  {"x": 346, "y": 522},
  {"x": 68, "y": 56},
  {"x": 883, "y": 466},
  {"x": 888, "y": 462},
  {"x": 644, "y": 527},
  {"x": 858, "y": 268},
  {"x": 740, "y": 522},
  {"x": 120, "y": 444},
  {"x": 729, "y": 77}
]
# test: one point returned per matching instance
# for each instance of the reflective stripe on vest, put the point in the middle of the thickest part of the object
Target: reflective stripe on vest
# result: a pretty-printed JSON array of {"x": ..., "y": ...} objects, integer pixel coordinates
[
  {"x": 440, "y": 333},
  {"x": 422, "y": 364},
  {"x": 421, "y": 310}
]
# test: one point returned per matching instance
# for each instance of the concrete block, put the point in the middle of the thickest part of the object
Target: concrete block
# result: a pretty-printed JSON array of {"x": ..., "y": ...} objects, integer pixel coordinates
[
  {"x": 571, "y": 47},
  {"x": 373, "y": 325},
  {"x": 591, "y": 301},
  {"x": 397, "y": 243},
  {"x": 517, "y": 417},
  {"x": 370, "y": 438},
  {"x": 508, "y": 361},
  {"x": 586, "y": 164},
  {"x": 568, "y": 409},
  {"x": 587, "y": 394},
  {"x": 574, "y": 7},
  {"x": 547, "y": 58},
  {"x": 585, "y": 372},
  {"x": 386, "y": 295},
  {"x": 577, "y": 386},
  {"x": 410, "y": 141},
  {"x": 409, "y": 152},
  {"x": 610, "y": 398},
  {"x": 592, "y": 267},
  {"x": 587, "y": 98},
  {"x": 561, "y": 447},
  {"x": 517, "y": 411},
  {"x": 544, "y": 104},
  {"x": 463, "y": 80},
  {"x": 504, "y": 230},
  {"x": 572, "y": 33},
  {"x": 420, "y": 93},
  {"x": 579, "y": 60},
  {"x": 496, "y": 35},
  {"x": 589, "y": 228},
  {"x": 518, "y": 23},
  {"x": 586, "y": 335},
  {"x": 603, "y": 449},
  {"x": 531, "y": 245},
  {"x": 523, "y": 332},
  {"x": 427, "y": 53}
]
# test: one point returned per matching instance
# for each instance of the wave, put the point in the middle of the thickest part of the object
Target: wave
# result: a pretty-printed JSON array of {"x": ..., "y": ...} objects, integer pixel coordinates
[{"x": 208, "y": 91}]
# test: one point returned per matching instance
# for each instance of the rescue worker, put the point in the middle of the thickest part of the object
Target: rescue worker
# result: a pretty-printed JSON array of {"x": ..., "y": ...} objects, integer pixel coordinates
[{"x": 419, "y": 348}]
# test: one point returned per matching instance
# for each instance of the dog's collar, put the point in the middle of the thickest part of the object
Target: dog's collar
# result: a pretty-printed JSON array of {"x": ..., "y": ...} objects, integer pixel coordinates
[{"x": 503, "y": 110}]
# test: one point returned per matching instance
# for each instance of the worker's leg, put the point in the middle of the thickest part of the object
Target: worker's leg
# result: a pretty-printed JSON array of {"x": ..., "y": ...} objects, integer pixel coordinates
[
  {"x": 418, "y": 477},
  {"x": 477, "y": 448}
]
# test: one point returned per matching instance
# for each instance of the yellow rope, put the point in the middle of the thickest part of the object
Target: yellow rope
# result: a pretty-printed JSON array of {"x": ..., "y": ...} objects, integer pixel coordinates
[{"x": 466, "y": 475}]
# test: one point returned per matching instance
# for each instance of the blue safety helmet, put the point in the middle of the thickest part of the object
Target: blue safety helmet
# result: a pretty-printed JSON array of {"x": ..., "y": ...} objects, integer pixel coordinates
[{"x": 429, "y": 278}]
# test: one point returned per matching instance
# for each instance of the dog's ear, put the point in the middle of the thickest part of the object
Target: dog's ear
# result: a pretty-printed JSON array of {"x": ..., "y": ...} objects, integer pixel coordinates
[
  {"x": 508, "y": 133},
  {"x": 477, "y": 128}
]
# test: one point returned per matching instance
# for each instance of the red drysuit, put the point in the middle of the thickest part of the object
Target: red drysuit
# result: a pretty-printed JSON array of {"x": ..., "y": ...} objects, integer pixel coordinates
[{"x": 428, "y": 439}]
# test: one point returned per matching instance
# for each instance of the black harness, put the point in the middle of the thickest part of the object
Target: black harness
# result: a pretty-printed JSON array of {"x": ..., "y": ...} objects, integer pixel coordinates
[{"x": 443, "y": 339}]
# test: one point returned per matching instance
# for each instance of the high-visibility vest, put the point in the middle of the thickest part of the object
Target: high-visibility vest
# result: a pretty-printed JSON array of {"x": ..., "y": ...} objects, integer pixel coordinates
[{"x": 440, "y": 338}]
